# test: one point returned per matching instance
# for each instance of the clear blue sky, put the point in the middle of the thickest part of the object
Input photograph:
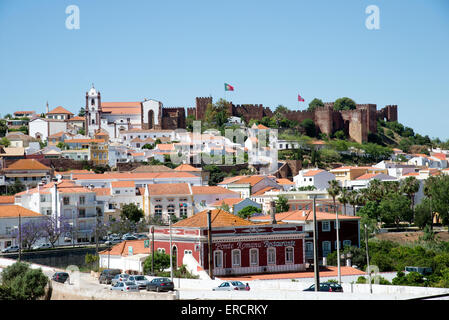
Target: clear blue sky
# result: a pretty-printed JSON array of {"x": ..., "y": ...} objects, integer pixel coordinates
[{"x": 270, "y": 51}]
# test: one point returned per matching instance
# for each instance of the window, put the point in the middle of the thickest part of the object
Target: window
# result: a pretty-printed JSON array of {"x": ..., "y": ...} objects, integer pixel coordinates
[
  {"x": 82, "y": 199},
  {"x": 346, "y": 243},
  {"x": 326, "y": 248},
  {"x": 66, "y": 201},
  {"x": 171, "y": 209},
  {"x": 271, "y": 255},
  {"x": 218, "y": 259},
  {"x": 335, "y": 244},
  {"x": 158, "y": 210},
  {"x": 289, "y": 255},
  {"x": 335, "y": 224},
  {"x": 254, "y": 257},
  {"x": 309, "y": 246},
  {"x": 82, "y": 213},
  {"x": 325, "y": 226},
  {"x": 43, "y": 198},
  {"x": 236, "y": 257}
]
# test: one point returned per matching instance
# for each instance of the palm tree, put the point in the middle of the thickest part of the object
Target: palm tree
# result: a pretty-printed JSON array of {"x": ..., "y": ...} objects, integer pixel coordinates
[
  {"x": 334, "y": 190},
  {"x": 344, "y": 199},
  {"x": 410, "y": 186},
  {"x": 352, "y": 199},
  {"x": 428, "y": 192}
]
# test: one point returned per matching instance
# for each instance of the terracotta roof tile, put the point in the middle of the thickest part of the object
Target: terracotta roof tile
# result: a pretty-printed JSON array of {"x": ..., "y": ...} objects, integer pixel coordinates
[
  {"x": 169, "y": 189},
  {"x": 186, "y": 167},
  {"x": 229, "y": 201},
  {"x": 59, "y": 110},
  {"x": 219, "y": 218},
  {"x": 27, "y": 164},
  {"x": 211, "y": 190},
  {"x": 123, "y": 184},
  {"x": 8, "y": 211},
  {"x": 7, "y": 199}
]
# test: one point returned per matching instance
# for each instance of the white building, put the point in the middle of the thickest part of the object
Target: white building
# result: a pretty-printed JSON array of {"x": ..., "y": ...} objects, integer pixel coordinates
[
  {"x": 317, "y": 178},
  {"x": 77, "y": 204}
]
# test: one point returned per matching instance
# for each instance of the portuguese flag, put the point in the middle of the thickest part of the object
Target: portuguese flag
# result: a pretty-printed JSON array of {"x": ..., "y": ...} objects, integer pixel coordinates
[{"x": 228, "y": 87}]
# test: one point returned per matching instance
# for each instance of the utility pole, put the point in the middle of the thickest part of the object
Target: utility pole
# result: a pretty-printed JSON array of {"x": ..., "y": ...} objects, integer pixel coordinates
[
  {"x": 171, "y": 249},
  {"x": 367, "y": 260},
  {"x": 337, "y": 229},
  {"x": 209, "y": 243},
  {"x": 152, "y": 250},
  {"x": 315, "y": 248},
  {"x": 20, "y": 236}
]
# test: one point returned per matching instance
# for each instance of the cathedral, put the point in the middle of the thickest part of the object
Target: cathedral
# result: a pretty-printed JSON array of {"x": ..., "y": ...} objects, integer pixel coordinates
[{"x": 114, "y": 117}]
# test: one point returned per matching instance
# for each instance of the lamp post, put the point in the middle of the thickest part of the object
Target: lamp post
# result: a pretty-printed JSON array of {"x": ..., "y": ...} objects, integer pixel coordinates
[
  {"x": 367, "y": 260},
  {"x": 171, "y": 260}
]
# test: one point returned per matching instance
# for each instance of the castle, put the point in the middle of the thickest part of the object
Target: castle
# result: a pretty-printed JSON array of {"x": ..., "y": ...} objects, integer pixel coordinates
[
  {"x": 114, "y": 117},
  {"x": 356, "y": 124}
]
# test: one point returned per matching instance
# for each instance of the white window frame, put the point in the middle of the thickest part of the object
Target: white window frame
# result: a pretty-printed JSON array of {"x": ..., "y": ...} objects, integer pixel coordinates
[
  {"x": 326, "y": 244},
  {"x": 328, "y": 224},
  {"x": 218, "y": 254},
  {"x": 309, "y": 244},
  {"x": 288, "y": 261},
  {"x": 271, "y": 251},
  {"x": 234, "y": 262},
  {"x": 347, "y": 243},
  {"x": 251, "y": 261}
]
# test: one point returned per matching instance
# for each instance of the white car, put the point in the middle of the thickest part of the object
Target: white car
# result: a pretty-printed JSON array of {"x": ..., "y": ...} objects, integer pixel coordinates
[
  {"x": 11, "y": 249},
  {"x": 127, "y": 286},
  {"x": 140, "y": 281},
  {"x": 42, "y": 246},
  {"x": 231, "y": 285}
]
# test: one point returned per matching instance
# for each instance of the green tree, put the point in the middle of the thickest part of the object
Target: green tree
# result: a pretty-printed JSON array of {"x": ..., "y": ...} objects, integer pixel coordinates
[
  {"x": 20, "y": 282},
  {"x": 315, "y": 103},
  {"x": 344, "y": 103},
  {"x": 5, "y": 142},
  {"x": 282, "y": 204},
  {"x": 215, "y": 174},
  {"x": 248, "y": 211},
  {"x": 132, "y": 212},
  {"x": 395, "y": 209},
  {"x": 161, "y": 262},
  {"x": 309, "y": 127}
]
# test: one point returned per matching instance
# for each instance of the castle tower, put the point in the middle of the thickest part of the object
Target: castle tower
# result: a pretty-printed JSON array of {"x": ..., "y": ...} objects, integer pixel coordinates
[{"x": 93, "y": 111}]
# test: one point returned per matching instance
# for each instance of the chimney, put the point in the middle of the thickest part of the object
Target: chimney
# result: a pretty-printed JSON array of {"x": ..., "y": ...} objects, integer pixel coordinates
[{"x": 273, "y": 212}]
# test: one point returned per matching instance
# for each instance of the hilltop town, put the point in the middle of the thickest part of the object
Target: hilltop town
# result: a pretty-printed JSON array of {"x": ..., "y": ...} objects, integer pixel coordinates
[{"x": 116, "y": 174}]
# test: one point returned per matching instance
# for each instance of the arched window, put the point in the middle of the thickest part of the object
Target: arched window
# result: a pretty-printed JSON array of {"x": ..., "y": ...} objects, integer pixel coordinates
[
  {"x": 92, "y": 102},
  {"x": 158, "y": 210},
  {"x": 171, "y": 209},
  {"x": 218, "y": 259}
]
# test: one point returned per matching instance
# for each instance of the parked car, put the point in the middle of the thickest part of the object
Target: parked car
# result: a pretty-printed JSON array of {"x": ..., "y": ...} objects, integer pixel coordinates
[
  {"x": 160, "y": 284},
  {"x": 113, "y": 241},
  {"x": 119, "y": 278},
  {"x": 42, "y": 246},
  {"x": 130, "y": 238},
  {"x": 326, "y": 287},
  {"x": 127, "y": 286},
  {"x": 107, "y": 275},
  {"x": 142, "y": 236},
  {"x": 60, "y": 277},
  {"x": 140, "y": 281},
  {"x": 10, "y": 249},
  {"x": 230, "y": 285}
]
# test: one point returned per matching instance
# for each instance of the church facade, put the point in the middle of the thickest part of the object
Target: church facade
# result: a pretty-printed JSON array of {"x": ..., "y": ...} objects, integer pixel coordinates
[{"x": 116, "y": 117}]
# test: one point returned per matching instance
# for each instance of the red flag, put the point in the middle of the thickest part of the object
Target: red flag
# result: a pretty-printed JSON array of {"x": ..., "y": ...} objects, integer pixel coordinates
[{"x": 300, "y": 98}]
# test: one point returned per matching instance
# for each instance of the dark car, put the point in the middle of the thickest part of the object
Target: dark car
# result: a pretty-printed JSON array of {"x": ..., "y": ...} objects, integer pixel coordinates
[
  {"x": 107, "y": 275},
  {"x": 60, "y": 277},
  {"x": 326, "y": 287},
  {"x": 160, "y": 284}
]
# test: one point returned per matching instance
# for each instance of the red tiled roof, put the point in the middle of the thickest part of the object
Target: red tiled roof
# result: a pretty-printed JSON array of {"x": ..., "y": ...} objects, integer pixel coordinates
[
  {"x": 26, "y": 164},
  {"x": 133, "y": 175},
  {"x": 59, "y": 110},
  {"x": 285, "y": 181},
  {"x": 312, "y": 172},
  {"x": 211, "y": 190},
  {"x": 303, "y": 215},
  {"x": 219, "y": 218},
  {"x": 7, "y": 199},
  {"x": 9, "y": 211},
  {"x": 186, "y": 167},
  {"x": 229, "y": 201},
  {"x": 123, "y": 184},
  {"x": 169, "y": 189},
  {"x": 367, "y": 176}
]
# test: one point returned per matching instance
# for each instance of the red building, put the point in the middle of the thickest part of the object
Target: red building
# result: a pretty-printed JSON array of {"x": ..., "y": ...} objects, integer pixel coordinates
[
  {"x": 238, "y": 246},
  {"x": 349, "y": 234}
]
